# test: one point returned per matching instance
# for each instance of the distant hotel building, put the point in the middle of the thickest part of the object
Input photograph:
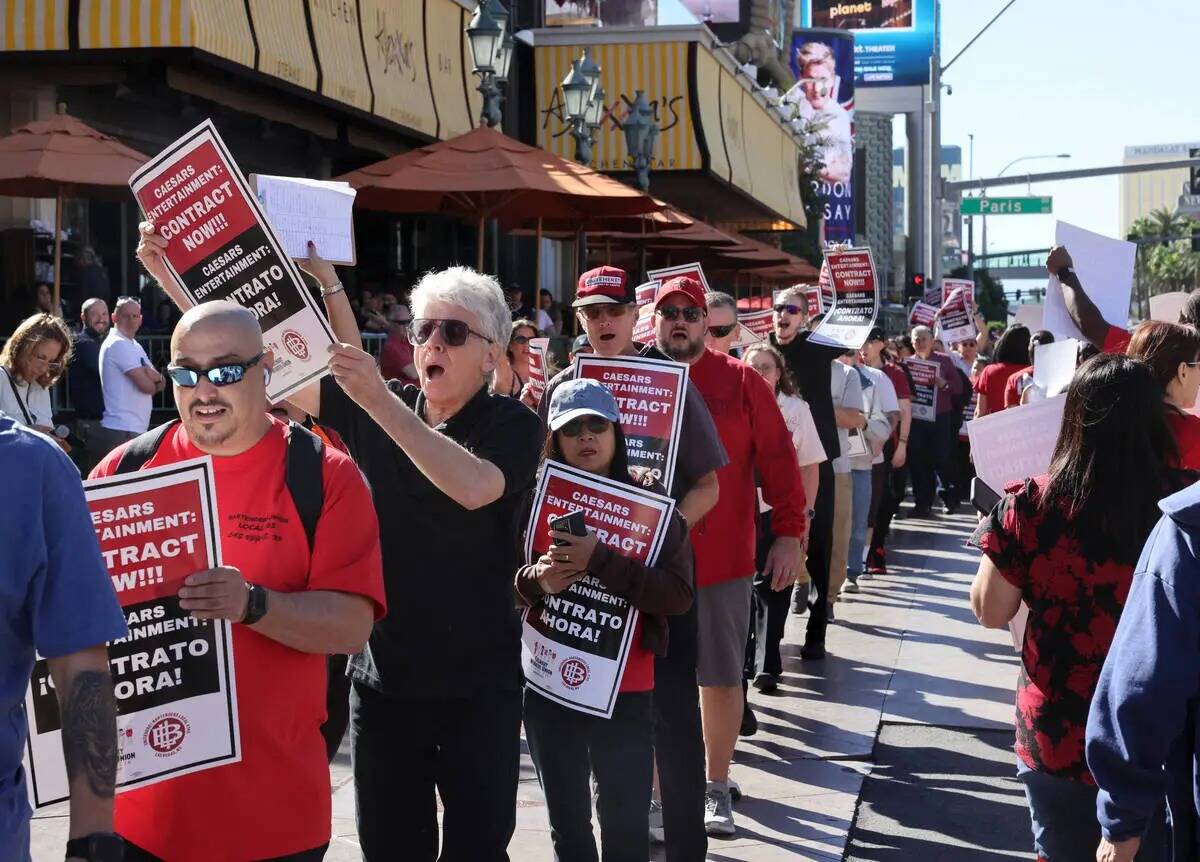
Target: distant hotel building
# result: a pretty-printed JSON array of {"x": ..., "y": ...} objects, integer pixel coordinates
[{"x": 1143, "y": 193}]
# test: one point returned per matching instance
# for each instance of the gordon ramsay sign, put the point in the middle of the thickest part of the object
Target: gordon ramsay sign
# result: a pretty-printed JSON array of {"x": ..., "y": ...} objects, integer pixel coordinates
[
  {"x": 650, "y": 395},
  {"x": 220, "y": 246}
]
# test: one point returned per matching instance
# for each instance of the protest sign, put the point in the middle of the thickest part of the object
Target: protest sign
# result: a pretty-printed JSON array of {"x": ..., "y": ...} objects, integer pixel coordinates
[
  {"x": 575, "y": 644},
  {"x": 949, "y": 285},
  {"x": 924, "y": 374},
  {"x": 539, "y": 365},
  {"x": 643, "y": 327},
  {"x": 1030, "y": 315},
  {"x": 644, "y": 293},
  {"x": 300, "y": 209},
  {"x": 760, "y": 325},
  {"x": 825, "y": 291},
  {"x": 691, "y": 270},
  {"x": 1017, "y": 443},
  {"x": 745, "y": 337},
  {"x": 968, "y": 415},
  {"x": 922, "y": 314},
  {"x": 173, "y": 675},
  {"x": 220, "y": 246},
  {"x": 650, "y": 394},
  {"x": 855, "y": 299},
  {"x": 1054, "y": 366},
  {"x": 1105, "y": 269},
  {"x": 956, "y": 318}
]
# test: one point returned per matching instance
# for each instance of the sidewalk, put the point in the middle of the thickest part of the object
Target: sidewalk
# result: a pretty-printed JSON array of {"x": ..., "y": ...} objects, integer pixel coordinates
[{"x": 897, "y": 746}]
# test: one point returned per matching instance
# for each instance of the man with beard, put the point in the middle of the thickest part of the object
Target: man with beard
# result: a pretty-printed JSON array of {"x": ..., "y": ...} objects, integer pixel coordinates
[
  {"x": 87, "y": 395},
  {"x": 606, "y": 310},
  {"x": 756, "y": 439}
]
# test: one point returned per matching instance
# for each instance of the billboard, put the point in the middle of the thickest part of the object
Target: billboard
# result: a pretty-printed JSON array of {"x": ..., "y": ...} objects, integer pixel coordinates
[
  {"x": 715, "y": 11},
  {"x": 894, "y": 38},
  {"x": 823, "y": 111},
  {"x": 607, "y": 13}
]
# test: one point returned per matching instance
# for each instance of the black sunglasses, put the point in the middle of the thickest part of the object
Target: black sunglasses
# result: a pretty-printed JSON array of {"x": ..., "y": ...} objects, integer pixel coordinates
[
  {"x": 520, "y": 339},
  {"x": 789, "y": 308},
  {"x": 219, "y": 375},
  {"x": 595, "y": 425},
  {"x": 692, "y": 314},
  {"x": 611, "y": 310},
  {"x": 454, "y": 332},
  {"x": 721, "y": 331}
]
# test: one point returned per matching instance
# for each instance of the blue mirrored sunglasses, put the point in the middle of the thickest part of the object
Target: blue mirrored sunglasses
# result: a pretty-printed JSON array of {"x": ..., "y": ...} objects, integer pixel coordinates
[{"x": 226, "y": 374}]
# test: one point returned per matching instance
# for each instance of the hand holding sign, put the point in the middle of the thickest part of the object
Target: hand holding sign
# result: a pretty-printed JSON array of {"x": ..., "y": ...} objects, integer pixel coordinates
[
  {"x": 355, "y": 371},
  {"x": 215, "y": 594},
  {"x": 574, "y": 552},
  {"x": 151, "y": 252},
  {"x": 318, "y": 267},
  {"x": 553, "y": 577}
]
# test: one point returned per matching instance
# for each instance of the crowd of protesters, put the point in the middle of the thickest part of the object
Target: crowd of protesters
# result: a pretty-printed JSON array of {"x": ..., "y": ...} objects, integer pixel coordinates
[{"x": 793, "y": 460}]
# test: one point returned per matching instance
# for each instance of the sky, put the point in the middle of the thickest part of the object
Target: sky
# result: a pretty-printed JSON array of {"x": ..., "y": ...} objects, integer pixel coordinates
[{"x": 1067, "y": 76}]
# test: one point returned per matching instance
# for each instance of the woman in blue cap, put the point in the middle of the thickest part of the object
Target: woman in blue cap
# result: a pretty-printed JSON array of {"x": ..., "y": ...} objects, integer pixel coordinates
[{"x": 567, "y": 746}]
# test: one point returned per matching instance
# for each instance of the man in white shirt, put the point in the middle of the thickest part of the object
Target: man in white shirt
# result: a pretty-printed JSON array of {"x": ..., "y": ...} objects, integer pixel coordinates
[
  {"x": 127, "y": 378},
  {"x": 846, "y": 387}
]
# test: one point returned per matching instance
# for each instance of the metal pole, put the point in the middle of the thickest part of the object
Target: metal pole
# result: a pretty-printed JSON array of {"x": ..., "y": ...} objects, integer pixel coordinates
[
  {"x": 935, "y": 164},
  {"x": 58, "y": 252}
]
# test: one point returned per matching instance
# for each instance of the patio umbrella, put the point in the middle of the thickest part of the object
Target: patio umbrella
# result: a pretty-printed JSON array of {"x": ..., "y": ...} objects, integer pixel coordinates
[
  {"x": 63, "y": 157},
  {"x": 485, "y": 174}
]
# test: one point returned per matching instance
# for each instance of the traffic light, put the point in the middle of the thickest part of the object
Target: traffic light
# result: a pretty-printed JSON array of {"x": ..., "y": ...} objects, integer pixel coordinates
[
  {"x": 916, "y": 286},
  {"x": 1194, "y": 184}
]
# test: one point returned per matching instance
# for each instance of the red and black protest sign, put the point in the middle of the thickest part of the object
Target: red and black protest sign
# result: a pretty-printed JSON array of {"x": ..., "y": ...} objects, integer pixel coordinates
[
  {"x": 968, "y": 415},
  {"x": 690, "y": 270},
  {"x": 650, "y": 395},
  {"x": 923, "y": 373},
  {"x": 755, "y": 327},
  {"x": 220, "y": 246},
  {"x": 575, "y": 644},
  {"x": 173, "y": 674},
  {"x": 957, "y": 317},
  {"x": 825, "y": 291},
  {"x": 539, "y": 365},
  {"x": 922, "y": 314},
  {"x": 643, "y": 328},
  {"x": 855, "y": 299}
]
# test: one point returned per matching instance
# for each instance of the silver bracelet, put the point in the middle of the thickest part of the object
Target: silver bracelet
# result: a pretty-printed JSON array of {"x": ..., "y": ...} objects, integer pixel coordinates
[{"x": 336, "y": 287}]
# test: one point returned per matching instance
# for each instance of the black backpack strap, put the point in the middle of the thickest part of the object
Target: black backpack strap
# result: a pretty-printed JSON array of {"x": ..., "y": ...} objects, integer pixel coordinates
[
  {"x": 304, "y": 473},
  {"x": 141, "y": 449}
]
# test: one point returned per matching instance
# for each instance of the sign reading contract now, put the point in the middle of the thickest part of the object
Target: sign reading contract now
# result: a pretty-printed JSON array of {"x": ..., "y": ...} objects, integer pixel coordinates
[{"x": 1005, "y": 206}]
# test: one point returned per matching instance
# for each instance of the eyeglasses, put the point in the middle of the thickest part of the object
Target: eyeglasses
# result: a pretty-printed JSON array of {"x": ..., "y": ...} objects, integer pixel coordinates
[
  {"x": 520, "y": 339},
  {"x": 594, "y": 425},
  {"x": 789, "y": 309},
  {"x": 219, "y": 375},
  {"x": 611, "y": 310},
  {"x": 721, "y": 331},
  {"x": 454, "y": 332},
  {"x": 692, "y": 314}
]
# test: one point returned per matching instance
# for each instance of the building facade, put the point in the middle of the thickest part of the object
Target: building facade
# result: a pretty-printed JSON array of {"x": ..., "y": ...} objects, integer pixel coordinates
[{"x": 1143, "y": 193}]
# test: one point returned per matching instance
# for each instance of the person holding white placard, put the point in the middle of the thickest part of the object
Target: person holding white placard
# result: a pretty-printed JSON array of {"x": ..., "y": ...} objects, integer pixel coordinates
[
  {"x": 1080, "y": 307},
  {"x": 567, "y": 745}
]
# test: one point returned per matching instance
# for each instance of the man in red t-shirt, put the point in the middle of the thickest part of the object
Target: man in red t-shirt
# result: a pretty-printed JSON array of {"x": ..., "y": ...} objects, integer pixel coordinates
[
  {"x": 291, "y": 606},
  {"x": 1084, "y": 313},
  {"x": 396, "y": 356},
  {"x": 756, "y": 439}
]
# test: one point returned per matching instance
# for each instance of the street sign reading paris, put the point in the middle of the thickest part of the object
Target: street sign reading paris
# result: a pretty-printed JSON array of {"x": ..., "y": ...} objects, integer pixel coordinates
[{"x": 1005, "y": 206}]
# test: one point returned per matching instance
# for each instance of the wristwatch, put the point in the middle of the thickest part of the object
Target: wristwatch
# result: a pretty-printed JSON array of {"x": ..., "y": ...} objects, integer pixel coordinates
[
  {"x": 256, "y": 604},
  {"x": 97, "y": 847},
  {"x": 1064, "y": 272}
]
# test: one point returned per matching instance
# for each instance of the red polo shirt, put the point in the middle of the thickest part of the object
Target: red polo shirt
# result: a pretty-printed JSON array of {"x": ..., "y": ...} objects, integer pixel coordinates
[
  {"x": 1117, "y": 340},
  {"x": 756, "y": 439},
  {"x": 276, "y": 800}
]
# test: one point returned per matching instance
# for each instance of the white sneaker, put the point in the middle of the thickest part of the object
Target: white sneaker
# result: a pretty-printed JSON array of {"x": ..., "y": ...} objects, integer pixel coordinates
[
  {"x": 850, "y": 587},
  {"x": 658, "y": 835},
  {"x": 718, "y": 809},
  {"x": 735, "y": 791}
]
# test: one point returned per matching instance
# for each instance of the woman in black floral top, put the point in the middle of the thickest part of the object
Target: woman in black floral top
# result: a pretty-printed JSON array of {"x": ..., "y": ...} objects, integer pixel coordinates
[{"x": 1065, "y": 544}]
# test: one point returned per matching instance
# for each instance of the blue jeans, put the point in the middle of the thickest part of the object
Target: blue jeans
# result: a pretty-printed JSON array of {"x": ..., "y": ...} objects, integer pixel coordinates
[
  {"x": 859, "y": 521},
  {"x": 1064, "y": 819}
]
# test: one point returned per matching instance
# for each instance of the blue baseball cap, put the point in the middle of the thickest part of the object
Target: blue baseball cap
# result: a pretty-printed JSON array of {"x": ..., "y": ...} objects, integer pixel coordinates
[{"x": 577, "y": 398}]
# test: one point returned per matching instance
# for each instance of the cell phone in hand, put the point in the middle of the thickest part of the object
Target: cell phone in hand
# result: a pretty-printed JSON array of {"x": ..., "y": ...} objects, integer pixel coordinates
[{"x": 571, "y": 523}]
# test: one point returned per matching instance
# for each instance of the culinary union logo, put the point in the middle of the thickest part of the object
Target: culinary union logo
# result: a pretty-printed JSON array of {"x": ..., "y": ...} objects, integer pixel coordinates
[
  {"x": 295, "y": 344},
  {"x": 574, "y": 672},
  {"x": 166, "y": 733}
]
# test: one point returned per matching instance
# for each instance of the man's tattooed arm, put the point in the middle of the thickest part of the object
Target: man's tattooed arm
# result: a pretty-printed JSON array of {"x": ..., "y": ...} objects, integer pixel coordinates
[{"x": 89, "y": 736}]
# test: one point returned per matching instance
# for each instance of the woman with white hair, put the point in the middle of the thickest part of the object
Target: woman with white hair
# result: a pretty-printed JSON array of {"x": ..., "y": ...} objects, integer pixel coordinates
[{"x": 436, "y": 700}]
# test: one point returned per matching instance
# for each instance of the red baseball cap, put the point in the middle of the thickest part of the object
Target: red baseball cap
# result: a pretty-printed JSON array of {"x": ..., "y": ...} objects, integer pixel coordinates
[
  {"x": 685, "y": 285},
  {"x": 603, "y": 285}
]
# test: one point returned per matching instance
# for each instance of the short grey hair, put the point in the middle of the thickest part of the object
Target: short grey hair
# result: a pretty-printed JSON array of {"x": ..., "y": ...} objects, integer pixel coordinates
[
  {"x": 720, "y": 299},
  {"x": 921, "y": 331},
  {"x": 124, "y": 301},
  {"x": 474, "y": 291},
  {"x": 800, "y": 290}
]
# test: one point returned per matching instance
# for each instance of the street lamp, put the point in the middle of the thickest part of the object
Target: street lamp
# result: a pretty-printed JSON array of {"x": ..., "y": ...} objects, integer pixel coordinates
[
  {"x": 1015, "y": 161},
  {"x": 491, "y": 54},
  {"x": 583, "y": 98},
  {"x": 641, "y": 137}
]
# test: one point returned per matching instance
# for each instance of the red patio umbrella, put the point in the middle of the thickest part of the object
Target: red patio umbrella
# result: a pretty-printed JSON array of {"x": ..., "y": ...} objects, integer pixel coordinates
[
  {"x": 63, "y": 157},
  {"x": 485, "y": 174}
]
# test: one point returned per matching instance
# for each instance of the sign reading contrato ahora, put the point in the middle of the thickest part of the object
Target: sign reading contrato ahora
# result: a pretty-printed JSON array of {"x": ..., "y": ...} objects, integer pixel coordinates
[
  {"x": 173, "y": 675},
  {"x": 220, "y": 246}
]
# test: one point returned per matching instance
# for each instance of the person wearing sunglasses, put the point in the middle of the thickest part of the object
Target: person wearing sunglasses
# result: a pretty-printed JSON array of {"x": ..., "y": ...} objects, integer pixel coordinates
[
  {"x": 513, "y": 371},
  {"x": 567, "y": 745},
  {"x": 606, "y": 309},
  {"x": 722, "y": 322},
  {"x": 756, "y": 439},
  {"x": 811, "y": 366},
  {"x": 32, "y": 360},
  {"x": 396, "y": 356},
  {"x": 449, "y": 463},
  {"x": 291, "y": 601}
]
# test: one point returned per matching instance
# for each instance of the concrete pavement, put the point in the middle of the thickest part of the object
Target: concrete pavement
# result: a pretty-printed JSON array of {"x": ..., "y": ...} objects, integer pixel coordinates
[{"x": 896, "y": 747}]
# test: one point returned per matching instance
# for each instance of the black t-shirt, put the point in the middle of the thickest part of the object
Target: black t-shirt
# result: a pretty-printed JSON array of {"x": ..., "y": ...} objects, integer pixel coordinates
[
  {"x": 84, "y": 375},
  {"x": 452, "y": 627},
  {"x": 811, "y": 367},
  {"x": 700, "y": 448}
]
